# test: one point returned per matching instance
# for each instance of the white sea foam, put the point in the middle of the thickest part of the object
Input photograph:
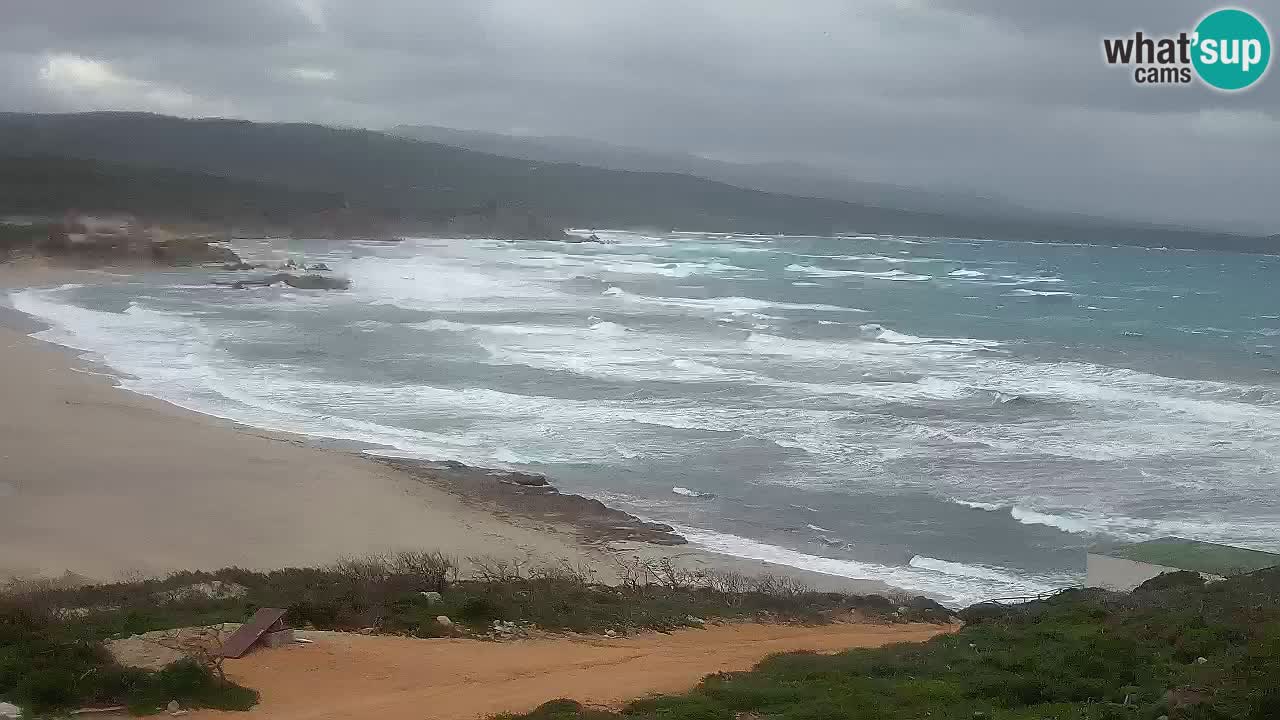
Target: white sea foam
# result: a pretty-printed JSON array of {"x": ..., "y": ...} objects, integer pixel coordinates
[
  {"x": 690, "y": 493},
  {"x": 1026, "y": 292},
  {"x": 883, "y": 334},
  {"x": 966, "y": 273},
  {"x": 176, "y": 359},
  {"x": 1256, "y": 532},
  {"x": 957, "y": 590},
  {"x": 1029, "y": 279},
  {"x": 894, "y": 274},
  {"x": 1066, "y": 523},
  {"x": 978, "y": 505},
  {"x": 962, "y": 570},
  {"x": 732, "y": 304}
]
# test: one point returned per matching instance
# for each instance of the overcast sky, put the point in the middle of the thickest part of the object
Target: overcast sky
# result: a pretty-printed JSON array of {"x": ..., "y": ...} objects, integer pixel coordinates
[{"x": 1001, "y": 96}]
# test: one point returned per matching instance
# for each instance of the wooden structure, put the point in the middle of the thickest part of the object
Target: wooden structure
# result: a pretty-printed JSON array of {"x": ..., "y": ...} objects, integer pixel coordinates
[{"x": 266, "y": 620}]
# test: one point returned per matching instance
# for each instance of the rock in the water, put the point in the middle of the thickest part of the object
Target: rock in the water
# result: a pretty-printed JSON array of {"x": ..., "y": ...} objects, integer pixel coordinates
[
  {"x": 8, "y": 710},
  {"x": 191, "y": 251},
  {"x": 444, "y": 621},
  {"x": 316, "y": 282},
  {"x": 301, "y": 282},
  {"x": 318, "y": 267},
  {"x": 433, "y": 598},
  {"x": 526, "y": 479}
]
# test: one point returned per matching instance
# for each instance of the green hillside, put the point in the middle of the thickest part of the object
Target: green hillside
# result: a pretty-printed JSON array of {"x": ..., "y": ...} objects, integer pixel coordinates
[
  {"x": 47, "y": 185},
  {"x": 1174, "y": 649}
]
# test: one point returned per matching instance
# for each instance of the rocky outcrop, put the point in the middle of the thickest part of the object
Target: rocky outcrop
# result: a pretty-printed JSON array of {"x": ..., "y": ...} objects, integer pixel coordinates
[
  {"x": 519, "y": 478},
  {"x": 90, "y": 241},
  {"x": 192, "y": 251},
  {"x": 532, "y": 496},
  {"x": 301, "y": 282}
]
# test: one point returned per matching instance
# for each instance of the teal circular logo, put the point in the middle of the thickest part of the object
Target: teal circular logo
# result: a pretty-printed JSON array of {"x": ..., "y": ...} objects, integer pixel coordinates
[{"x": 1232, "y": 49}]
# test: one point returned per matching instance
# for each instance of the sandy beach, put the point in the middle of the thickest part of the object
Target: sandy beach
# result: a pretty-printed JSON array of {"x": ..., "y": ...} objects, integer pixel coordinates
[{"x": 105, "y": 483}]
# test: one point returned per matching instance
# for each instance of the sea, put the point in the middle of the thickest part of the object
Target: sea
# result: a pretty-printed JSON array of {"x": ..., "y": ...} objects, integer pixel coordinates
[{"x": 956, "y": 417}]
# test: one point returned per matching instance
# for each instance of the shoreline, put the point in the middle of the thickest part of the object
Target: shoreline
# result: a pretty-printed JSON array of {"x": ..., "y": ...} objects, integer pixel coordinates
[{"x": 104, "y": 483}]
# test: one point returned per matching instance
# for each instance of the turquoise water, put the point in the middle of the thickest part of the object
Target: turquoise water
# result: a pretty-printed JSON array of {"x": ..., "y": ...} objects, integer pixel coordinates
[{"x": 954, "y": 416}]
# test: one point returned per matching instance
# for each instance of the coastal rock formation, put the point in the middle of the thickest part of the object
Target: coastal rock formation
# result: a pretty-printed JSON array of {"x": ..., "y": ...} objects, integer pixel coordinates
[
  {"x": 301, "y": 282},
  {"x": 88, "y": 241},
  {"x": 531, "y": 495},
  {"x": 191, "y": 251},
  {"x": 519, "y": 478}
]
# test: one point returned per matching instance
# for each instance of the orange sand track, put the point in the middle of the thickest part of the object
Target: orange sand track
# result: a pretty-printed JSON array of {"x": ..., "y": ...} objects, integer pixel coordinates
[{"x": 394, "y": 678}]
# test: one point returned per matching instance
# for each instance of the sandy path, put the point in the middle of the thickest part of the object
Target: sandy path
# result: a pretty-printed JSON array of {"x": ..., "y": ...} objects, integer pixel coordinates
[{"x": 389, "y": 678}]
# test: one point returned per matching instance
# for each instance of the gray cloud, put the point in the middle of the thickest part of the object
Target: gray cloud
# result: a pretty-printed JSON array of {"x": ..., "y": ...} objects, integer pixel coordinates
[{"x": 1009, "y": 98}]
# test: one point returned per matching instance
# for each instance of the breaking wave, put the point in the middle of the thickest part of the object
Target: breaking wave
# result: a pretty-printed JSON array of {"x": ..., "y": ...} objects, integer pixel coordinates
[
  {"x": 691, "y": 493},
  {"x": 955, "y": 584}
]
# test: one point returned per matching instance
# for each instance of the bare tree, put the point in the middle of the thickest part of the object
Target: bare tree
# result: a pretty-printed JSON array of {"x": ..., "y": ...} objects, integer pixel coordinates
[{"x": 202, "y": 644}]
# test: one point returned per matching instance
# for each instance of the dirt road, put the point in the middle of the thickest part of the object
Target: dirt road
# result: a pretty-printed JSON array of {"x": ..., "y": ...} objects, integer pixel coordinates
[{"x": 393, "y": 678}]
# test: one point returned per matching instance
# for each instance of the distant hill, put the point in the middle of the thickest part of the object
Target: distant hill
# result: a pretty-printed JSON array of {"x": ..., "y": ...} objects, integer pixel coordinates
[
  {"x": 410, "y": 180},
  {"x": 785, "y": 178},
  {"x": 48, "y": 186}
]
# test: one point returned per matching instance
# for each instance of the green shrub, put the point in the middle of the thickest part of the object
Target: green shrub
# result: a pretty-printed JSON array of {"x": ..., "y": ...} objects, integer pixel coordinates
[
  {"x": 1089, "y": 655},
  {"x": 192, "y": 685},
  {"x": 47, "y": 665}
]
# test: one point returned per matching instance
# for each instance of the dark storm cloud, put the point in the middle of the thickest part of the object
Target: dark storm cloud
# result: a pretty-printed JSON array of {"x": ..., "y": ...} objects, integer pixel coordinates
[{"x": 1003, "y": 97}]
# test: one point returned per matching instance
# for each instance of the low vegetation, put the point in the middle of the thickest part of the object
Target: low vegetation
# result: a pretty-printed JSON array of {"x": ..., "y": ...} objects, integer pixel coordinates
[
  {"x": 53, "y": 635},
  {"x": 1175, "y": 648},
  {"x": 20, "y": 238},
  {"x": 49, "y": 664}
]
